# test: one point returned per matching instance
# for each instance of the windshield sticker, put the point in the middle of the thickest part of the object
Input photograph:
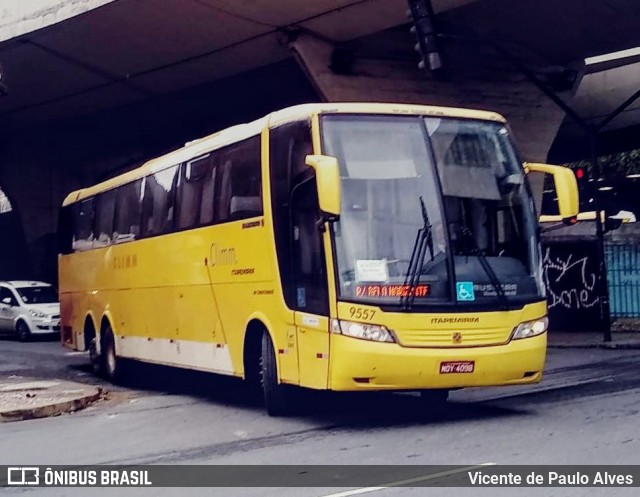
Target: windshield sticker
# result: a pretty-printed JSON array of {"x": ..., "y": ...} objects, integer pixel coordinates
[
  {"x": 374, "y": 270},
  {"x": 301, "y": 296},
  {"x": 509, "y": 289},
  {"x": 392, "y": 290},
  {"x": 464, "y": 291}
]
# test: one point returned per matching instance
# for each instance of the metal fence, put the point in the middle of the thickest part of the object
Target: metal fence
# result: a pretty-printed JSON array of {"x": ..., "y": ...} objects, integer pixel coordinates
[{"x": 623, "y": 275}]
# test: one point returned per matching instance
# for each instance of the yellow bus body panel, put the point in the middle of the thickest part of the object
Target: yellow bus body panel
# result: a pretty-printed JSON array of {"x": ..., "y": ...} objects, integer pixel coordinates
[
  {"x": 188, "y": 298},
  {"x": 482, "y": 337}
]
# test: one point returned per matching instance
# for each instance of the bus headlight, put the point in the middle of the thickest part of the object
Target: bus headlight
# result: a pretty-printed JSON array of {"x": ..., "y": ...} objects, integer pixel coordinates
[
  {"x": 364, "y": 331},
  {"x": 531, "y": 328}
]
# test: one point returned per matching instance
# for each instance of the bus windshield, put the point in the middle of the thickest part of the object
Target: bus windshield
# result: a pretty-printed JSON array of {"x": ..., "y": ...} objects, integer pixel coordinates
[{"x": 456, "y": 183}]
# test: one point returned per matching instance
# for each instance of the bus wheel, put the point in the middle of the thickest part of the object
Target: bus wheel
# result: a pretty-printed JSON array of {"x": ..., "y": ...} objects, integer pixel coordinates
[
  {"x": 111, "y": 366},
  {"x": 23, "y": 331},
  {"x": 276, "y": 395},
  {"x": 94, "y": 357},
  {"x": 434, "y": 400}
]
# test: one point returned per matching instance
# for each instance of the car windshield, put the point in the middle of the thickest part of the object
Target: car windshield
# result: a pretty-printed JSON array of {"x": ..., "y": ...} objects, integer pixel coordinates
[
  {"x": 434, "y": 208},
  {"x": 38, "y": 295}
]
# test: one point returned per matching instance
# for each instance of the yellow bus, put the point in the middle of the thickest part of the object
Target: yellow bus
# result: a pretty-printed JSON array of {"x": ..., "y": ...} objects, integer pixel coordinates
[{"x": 349, "y": 247}]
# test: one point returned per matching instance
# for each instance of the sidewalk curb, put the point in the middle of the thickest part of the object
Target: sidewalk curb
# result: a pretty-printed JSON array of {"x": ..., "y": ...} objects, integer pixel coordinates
[
  {"x": 573, "y": 346},
  {"x": 621, "y": 345},
  {"x": 604, "y": 345},
  {"x": 51, "y": 409}
]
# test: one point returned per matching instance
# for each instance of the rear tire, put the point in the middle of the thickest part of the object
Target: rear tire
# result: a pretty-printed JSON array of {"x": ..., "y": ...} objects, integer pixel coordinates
[
  {"x": 276, "y": 395},
  {"x": 110, "y": 365},
  {"x": 94, "y": 357},
  {"x": 23, "y": 331}
]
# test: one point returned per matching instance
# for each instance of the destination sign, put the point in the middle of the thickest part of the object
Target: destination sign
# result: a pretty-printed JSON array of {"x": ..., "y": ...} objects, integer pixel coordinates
[{"x": 392, "y": 290}]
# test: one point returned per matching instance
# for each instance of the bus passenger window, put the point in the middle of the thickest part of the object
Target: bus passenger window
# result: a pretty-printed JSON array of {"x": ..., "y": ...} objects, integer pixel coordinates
[
  {"x": 83, "y": 225},
  {"x": 207, "y": 205},
  {"x": 105, "y": 208},
  {"x": 128, "y": 212},
  {"x": 157, "y": 205},
  {"x": 240, "y": 189},
  {"x": 196, "y": 176}
]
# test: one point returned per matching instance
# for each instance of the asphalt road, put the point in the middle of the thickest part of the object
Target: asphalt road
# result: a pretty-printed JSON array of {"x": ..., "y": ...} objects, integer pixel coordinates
[{"x": 586, "y": 411}]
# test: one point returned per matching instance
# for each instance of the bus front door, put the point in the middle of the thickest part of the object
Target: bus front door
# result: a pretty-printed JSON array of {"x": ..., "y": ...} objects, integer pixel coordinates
[{"x": 311, "y": 290}]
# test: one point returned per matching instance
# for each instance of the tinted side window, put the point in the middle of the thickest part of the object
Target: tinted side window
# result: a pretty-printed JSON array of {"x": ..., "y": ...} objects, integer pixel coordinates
[
  {"x": 239, "y": 194},
  {"x": 158, "y": 203},
  {"x": 195, "y": 192},
  {"x": 105, "y": 208},
  {"x": 289, "y": 145},
  {"x": 128, "y": 212},
  {"x": 83, "y": 225},
  {"x": 5, "y": 293}
]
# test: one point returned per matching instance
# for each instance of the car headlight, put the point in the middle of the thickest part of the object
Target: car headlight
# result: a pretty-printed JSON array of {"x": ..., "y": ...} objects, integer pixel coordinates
[
  {"x": 37, "y": 314},
  {"x": 531, "y": 328},
  {"x": 364, "y": 331}
]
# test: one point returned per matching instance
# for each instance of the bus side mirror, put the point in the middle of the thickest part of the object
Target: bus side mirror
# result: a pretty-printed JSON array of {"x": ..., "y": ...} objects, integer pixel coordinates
[
  {"x": 566, "y": 188},
  {"x": 328, "y": 181}
]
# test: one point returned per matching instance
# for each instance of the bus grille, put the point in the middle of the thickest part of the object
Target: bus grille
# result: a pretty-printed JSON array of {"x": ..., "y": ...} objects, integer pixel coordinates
[{"x": 452, "y": 338}]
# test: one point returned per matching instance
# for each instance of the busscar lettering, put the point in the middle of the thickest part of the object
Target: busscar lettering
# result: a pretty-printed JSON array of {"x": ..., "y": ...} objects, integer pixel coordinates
[
  {"x": 252, "y": 224},
  {"x": 263, "y": 292},
  {"x": 455, "y": 320},
  {"x": 243, "y": 271}
]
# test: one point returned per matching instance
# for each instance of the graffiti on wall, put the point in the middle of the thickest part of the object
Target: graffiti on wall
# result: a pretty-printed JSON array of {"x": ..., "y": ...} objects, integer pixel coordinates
[
  {"x": 570, "y": 282},
  {"x": 570, "y": 272}
]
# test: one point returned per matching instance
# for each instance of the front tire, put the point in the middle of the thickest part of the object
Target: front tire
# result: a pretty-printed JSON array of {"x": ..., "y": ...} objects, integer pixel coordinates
[
  {"x": 23, "y": 331},
  {"x": 276, "y": 395},
  {"x": 111, "y": 366}
]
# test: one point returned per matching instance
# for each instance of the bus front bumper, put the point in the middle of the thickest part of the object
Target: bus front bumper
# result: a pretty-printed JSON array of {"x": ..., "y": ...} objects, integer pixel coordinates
[{"x": 360, "y": 365}]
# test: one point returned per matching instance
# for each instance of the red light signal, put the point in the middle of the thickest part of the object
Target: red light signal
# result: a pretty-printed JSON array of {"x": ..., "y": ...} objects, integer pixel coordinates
[{"x": 579, "y": 173}]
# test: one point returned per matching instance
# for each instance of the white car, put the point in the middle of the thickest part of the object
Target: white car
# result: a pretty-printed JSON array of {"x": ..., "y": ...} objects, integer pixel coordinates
[{"x": 29, "y": 308}]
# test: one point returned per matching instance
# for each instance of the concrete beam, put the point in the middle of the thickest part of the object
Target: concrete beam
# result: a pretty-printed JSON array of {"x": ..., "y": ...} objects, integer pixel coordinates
[
  {"x": 385, "y": 70},
  {"x": 21, "y": 17}
]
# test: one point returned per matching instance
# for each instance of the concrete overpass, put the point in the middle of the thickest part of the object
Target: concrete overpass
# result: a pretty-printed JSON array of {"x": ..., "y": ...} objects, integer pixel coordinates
[
  {"x": 96, "y": 86},
  {"x": 605, "y": 86}
]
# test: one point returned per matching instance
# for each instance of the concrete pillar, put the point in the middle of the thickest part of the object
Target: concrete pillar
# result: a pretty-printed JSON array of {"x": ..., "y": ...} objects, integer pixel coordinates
[{"x": 384, "y": 69}]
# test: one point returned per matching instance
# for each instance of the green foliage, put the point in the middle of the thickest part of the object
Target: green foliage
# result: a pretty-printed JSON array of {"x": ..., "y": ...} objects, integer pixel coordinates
[{"x": 615, "y": 165}]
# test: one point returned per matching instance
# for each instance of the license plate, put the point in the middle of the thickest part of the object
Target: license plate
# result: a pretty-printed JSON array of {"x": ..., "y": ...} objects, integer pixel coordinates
[{"x": 449, "y": 367}]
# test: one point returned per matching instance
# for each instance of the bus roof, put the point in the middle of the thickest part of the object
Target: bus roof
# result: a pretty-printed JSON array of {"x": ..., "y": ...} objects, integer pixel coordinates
[{"x": 241, "y": 132}]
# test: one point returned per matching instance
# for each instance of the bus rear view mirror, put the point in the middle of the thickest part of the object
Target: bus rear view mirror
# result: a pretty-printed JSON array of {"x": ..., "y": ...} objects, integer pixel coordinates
[
  {"x": 564, "y": 185},
  {"x": 328, "y": 181}
]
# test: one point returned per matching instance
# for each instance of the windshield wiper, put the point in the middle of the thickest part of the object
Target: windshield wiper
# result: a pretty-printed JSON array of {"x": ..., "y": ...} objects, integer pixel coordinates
[
  {"x": 467, "y": 234},
  {"x": 424, "y": 240}
]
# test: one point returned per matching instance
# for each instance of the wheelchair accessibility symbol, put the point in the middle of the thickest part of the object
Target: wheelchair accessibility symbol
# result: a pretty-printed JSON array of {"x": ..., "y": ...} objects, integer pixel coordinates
[{"x": 464, "y": 291}]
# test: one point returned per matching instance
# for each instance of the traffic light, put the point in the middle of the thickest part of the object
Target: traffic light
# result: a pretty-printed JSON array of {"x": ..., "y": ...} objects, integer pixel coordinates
[
  {"x": 421, "y": 15},
  {"x": 584, "y": 189}
]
